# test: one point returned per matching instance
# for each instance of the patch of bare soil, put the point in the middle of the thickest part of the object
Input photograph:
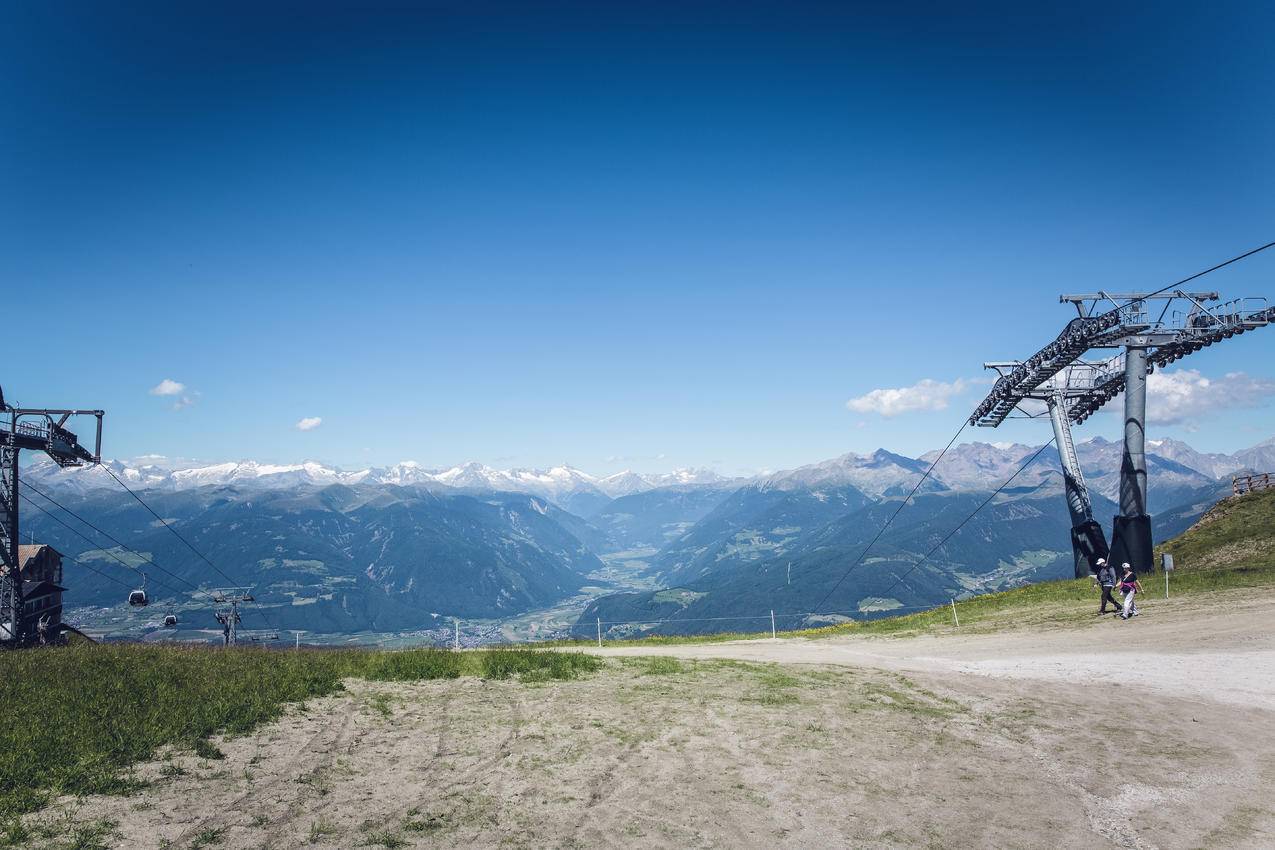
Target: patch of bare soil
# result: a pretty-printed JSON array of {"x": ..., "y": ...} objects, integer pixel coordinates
[{"x": 720, "y": 753}]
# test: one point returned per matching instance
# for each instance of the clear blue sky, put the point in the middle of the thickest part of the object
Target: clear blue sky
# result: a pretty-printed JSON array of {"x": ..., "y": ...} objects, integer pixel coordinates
[{"x": 614, "y": 234}]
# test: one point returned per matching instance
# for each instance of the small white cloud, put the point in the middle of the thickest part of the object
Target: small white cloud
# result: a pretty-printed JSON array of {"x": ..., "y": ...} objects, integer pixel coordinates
[
  {"x": 168, "y": 387},
  {"x": 923, "y": 395},
  {"x": 184, "y": 402},
  {"x": 634, "y": 458},
  {"x": 1175, "y": 398},
  {"x": 309, "y": 423}
]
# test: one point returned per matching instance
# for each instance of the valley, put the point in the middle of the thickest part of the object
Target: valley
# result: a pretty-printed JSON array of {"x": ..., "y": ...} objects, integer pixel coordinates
[{"x": 394, "y": 557}]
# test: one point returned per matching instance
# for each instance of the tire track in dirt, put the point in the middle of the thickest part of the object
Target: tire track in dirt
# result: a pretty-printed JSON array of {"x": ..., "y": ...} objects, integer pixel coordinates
[
  {"x": 286, "y": 775},
  {"x": 305, "y": 792},
  {"x": 463, "y": 780},
  {"x": 1103, "y": 821},
  {"x": 601, "y": 787}
]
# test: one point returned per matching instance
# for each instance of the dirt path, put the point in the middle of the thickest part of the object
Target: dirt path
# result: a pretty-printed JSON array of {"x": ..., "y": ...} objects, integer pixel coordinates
[
  {"x": 967, "y": 741},
  {"x": 1184, "y": 650}
]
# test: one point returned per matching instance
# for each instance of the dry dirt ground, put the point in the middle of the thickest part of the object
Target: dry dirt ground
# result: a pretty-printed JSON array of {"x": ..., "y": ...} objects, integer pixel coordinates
[{"x": 1160, "y": 739}]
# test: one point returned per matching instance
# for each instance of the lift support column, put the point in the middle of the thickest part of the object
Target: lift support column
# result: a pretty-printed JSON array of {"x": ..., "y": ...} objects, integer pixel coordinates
[
  {"x": 10, "y": 580},
  {"x": 1087, "y": 541},
  {"x": 1131, "y": 530}
]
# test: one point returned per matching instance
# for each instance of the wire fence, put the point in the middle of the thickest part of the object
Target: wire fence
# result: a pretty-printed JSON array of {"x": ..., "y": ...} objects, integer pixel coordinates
[
  {"x": 460, "y": 633},
  {"x": 484, "y": 632}
]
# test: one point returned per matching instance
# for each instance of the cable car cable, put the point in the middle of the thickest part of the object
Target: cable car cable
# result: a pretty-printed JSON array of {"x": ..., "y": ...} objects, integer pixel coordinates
[
  {"x": 888, "y": 522},
  {"x": 94, "y": 544},
  {"x": 179, "y": 536},
  {"x": 111, "y": 537},
  {"x": 951, "y": 533}
]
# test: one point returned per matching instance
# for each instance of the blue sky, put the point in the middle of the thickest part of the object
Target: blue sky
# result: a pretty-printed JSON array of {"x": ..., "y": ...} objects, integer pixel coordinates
[{"x": 615, "y": 235}]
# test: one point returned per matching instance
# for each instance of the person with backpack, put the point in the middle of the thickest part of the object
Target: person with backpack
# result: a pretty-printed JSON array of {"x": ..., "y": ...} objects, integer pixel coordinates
[
  {"x": 1129, "y": 586},
  {"x": 1107, "y": 579}
]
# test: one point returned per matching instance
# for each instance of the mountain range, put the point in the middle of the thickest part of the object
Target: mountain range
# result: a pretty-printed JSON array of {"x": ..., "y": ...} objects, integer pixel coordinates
[
  {"x": 402, "y": 548},
  {"x": 565, "y": 486}
]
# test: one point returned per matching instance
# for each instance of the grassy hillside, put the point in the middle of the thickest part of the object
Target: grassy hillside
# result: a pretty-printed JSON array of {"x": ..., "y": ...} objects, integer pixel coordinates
[
  {"x": 1231, "y": 546},
  {"x": 1235, "y": 533},
  {"x": 80, "y": 715}
]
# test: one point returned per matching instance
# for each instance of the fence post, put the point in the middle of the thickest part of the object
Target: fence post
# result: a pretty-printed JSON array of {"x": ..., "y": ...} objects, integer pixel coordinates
[
  {"x": 599, "y": 633},
  {"x": 456, "y": 621},
  {"x": 955, "y": 619},
  {"x": 772, "y": 624}
]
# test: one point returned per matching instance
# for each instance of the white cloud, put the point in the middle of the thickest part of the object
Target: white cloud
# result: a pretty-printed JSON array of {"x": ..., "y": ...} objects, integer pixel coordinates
[
  {"x": 1174, "y": 398},
  {"x": 184, "y": 402},
  {"x": 309, "y": 423},
  {"x": 168, "y": 387},
  {"x": 923, "y": 395},
  {"x": 634, "y": 458}
]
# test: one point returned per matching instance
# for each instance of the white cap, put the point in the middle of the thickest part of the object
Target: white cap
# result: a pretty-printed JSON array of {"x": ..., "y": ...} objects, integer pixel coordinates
[
  {"x": 1126, "y": 565},
  {"x": 1102, "y": 560}
]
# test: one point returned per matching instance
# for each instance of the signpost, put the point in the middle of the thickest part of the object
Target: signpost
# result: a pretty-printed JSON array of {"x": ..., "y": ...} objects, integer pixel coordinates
[{"x": 1166, "y": 564}]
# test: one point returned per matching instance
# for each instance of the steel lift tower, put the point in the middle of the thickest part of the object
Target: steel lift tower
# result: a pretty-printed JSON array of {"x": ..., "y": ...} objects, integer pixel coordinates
[
  {"x": 37, "y": 430},
  {"x": 1056, "y": 398},
  {"x": 1149, "y": 330},
  {"x": 229, "y": 617}
]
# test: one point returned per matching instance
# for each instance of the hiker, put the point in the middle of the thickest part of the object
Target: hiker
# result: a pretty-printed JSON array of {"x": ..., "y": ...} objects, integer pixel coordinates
[
  {"x": 1107, "y": 578},
  {"x": 1129, "y": 586}
]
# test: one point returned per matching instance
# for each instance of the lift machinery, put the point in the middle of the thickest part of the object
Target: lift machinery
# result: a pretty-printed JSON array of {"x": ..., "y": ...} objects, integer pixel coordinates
[
  {"x": 1148, "y": 330},
  {"x": 34, "y": 429}
]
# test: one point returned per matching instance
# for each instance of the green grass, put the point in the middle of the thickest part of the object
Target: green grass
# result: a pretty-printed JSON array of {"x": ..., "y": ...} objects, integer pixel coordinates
[
  {"x": 384, "y": 838},
  {"x": 208, "y": 837},
  {"x": 534, "y": 665},
  {"x": 661, "y": 666},
  {"x": 1234, "y": 533},
  {"x": 320, "y": 829},
  {"x": 205, "y": 750},
  {"x": 94, "y": 710}
]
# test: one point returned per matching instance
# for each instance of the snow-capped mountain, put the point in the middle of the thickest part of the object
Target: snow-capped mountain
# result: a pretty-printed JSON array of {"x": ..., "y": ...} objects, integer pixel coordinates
[
  {"x": 563, "y": 485},
  {"x": 1213, "y": 464},
  {"x": 1175, "y": 465},
  {"x": 627, "y": 483},
  {"x": 876, "y": 474}
]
